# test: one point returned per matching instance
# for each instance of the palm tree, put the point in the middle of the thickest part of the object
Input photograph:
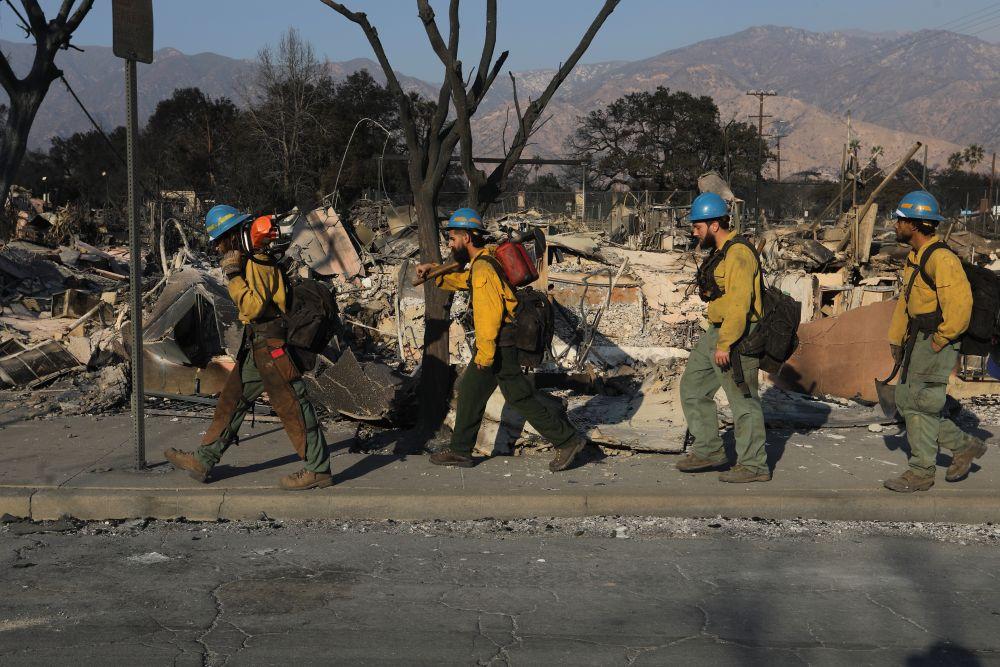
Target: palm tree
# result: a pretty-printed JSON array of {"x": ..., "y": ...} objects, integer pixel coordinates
[{"x": 973, "y": 155}]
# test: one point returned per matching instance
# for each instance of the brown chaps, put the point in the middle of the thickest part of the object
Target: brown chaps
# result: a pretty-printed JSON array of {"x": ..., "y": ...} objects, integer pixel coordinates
[{"x": 277, "y": 372}]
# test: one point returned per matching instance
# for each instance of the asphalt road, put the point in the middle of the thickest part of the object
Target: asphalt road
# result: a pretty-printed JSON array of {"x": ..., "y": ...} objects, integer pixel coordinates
[{"x": 569, "y": 592}]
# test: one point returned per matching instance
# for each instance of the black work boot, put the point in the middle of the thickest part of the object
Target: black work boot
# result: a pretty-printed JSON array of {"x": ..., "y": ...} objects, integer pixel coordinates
[
  {"x": 961, "y": 460},
  {"x": 567, "y": 452},
  {"x": 188, "y": 461},
  {"x": 449, "y": 457},
  {"x": 909, "y": 482},
  {"x": 694, "y": 463}
]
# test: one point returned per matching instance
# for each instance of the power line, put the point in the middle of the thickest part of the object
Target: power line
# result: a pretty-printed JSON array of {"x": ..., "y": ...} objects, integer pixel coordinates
[
  {"x": 93, "y": 122},
  {"x": 779, "y": 160},
  {"x": 760, "y": 95},
  {"x": 150, "y": 192}
]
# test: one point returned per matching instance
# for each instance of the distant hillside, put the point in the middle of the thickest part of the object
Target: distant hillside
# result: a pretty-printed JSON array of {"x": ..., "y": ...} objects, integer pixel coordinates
[{"x": 938, "y": 87}]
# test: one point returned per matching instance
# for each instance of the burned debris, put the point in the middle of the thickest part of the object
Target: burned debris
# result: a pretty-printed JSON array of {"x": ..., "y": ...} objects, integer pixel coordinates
[{"x": 626, "y": 316}]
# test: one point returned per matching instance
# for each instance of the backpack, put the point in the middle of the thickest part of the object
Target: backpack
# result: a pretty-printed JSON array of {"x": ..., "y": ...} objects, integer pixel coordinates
[
  {"x": 534, "y": 320},
  {"x": 983, "y": 335},
  {"x": 311, "y": 317},
  {"x": 776, "y": 336}
]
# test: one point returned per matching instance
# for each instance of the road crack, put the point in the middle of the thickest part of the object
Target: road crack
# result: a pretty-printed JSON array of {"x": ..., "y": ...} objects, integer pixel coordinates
[{"x": 897, "y": 614}]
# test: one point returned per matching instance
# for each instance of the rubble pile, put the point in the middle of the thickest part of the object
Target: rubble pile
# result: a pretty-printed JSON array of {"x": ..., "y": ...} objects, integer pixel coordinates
[{"x": 60, "y": 308}]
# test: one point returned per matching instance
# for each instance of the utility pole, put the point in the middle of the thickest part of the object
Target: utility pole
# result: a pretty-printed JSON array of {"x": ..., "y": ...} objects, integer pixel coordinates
[
  {"x": 781, "y": 194},
  {"x": 843, "y": 181},
  {"x": 760, "y": 95},
  {"x": 778, "y": 138},
  {"x": 923, "y": 179},
  {"x": 988, "y": 209},
  {"x": 993, "y": 174}
]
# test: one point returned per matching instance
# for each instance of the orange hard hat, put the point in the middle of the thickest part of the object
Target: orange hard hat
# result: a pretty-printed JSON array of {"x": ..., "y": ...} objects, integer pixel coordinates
[{"x": 262, "y": 231}]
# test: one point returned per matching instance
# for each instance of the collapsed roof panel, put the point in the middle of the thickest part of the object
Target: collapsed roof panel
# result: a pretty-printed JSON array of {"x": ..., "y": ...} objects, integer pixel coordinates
[{"x": 31, "y": 367}]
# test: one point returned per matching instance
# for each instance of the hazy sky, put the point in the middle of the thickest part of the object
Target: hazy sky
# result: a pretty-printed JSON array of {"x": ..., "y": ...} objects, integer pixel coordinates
[{"x": 538, "y": 33}]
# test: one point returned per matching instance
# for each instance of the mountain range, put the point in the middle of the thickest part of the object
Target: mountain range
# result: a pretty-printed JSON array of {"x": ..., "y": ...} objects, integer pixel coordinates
[{"x": 937, "y": 87}]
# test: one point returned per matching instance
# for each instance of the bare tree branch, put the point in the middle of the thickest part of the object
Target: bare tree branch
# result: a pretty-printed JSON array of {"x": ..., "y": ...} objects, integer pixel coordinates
[
  {"x": 24, "y": 22},
  {"x": 535, "y": 108},
  {"x": 489, "y": 44},
  {"x": 453, "y": 30},
  {"x": 517, "y": 103},
  {"x": 36, "y": 17},
  {"x": 74, "y": 21},
  {"x": 453, "y": 73},
  {"x": 64, "y": 8},
  {"x": 441, "y": 111},
  {"x": 503, "y": 134},
  {"x": 485, "y": 75},
  {"x": 538, "y": 126},
  {"x": 481, "y": 86},
  {"x": 465, "y": 103},
  {"x": 62, "y": 27},
  {"x": 7, "y": 77}
]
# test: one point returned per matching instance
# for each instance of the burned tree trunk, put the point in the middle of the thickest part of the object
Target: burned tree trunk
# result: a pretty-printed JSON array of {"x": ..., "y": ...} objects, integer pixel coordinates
[
  {"x": 485, "y": 189},
  {"x": 26, "y": 94},
  {"x": 435, "y": 372},
  {"x": 14, "y": 140}
]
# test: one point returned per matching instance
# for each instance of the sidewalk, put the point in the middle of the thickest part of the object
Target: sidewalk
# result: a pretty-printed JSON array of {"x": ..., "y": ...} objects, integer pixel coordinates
[{"x": 80, "y": 466}]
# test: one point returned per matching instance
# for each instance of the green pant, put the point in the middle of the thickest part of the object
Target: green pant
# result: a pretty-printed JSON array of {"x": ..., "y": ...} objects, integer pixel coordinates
[
  {"x": 701, "y": 380},
  {"x": 316, "y": 458},
  {"x": 920, "y": 400},
  {"x": 477, "y": 385}
]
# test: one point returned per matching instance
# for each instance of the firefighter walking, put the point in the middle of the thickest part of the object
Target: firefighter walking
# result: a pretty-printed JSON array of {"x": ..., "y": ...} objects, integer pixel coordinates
[
  {"x": 264, "y": 363},
  {"x": 730, "y": 280},
  {"x": 496, "y": 359},
  {"x": 931, "y": 315}
]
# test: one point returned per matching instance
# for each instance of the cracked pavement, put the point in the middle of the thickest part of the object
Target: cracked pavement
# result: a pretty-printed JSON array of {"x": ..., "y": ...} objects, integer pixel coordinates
[{"x": 556, "y": 591}]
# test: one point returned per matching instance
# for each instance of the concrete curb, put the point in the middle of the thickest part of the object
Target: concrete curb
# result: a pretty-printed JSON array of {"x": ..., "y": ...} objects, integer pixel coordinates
[{"x": 210, "y": 505}]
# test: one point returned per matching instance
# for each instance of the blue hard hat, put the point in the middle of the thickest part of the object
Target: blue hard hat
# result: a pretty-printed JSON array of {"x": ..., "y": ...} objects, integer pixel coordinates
[
  {"x": 221, "y": 219},
  {"x": 919, "y": 205},
  {"x": 708, "y": 206},
  {"x": 466, "y": 218}
]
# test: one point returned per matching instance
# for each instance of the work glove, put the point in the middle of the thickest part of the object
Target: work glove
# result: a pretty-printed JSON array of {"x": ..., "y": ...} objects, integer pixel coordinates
[
  {"x": 424, "y": 269},
  {"x": 897, "y": 353},
  {"x": 232, "y": 263}
]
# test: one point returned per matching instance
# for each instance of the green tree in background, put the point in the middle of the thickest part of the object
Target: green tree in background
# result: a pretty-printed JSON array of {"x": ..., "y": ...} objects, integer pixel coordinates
[
  {"x": 662, "y": 140},
  {"x": 188, "y": 140}
]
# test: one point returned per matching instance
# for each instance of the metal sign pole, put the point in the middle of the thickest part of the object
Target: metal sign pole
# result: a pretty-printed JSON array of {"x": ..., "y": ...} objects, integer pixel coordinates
[{"x": 135, "y": 267}]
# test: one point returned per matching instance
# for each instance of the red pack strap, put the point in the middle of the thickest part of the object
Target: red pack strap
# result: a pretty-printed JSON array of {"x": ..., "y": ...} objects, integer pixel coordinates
[{"x": 279, "y": 352}]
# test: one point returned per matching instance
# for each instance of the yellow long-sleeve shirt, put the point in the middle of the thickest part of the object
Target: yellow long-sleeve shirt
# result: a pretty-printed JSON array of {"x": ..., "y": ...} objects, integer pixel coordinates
[
  {"x": 259, "y": 286},
  {"x": 739, "y": 282},
  {"x": 493, "y": 303},
  {"x": 954, "y": 294}
]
